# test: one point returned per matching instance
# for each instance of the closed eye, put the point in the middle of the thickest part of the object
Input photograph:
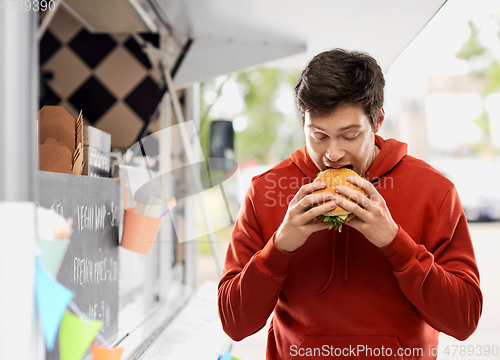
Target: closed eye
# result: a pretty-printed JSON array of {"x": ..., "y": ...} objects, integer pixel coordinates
[
  {"x": 350, "y": 137},
  {"x": 317, "y": 136}
]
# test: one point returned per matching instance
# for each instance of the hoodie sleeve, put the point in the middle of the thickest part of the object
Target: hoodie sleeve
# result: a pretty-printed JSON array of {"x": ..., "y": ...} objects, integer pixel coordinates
[
  {"x": 443, "y": 285},
  {"x": 253, "y": 275}
]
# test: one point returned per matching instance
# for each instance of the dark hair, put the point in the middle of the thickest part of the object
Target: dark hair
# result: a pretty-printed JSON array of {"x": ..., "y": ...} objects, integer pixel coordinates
[{"x": 339, "y": 77}]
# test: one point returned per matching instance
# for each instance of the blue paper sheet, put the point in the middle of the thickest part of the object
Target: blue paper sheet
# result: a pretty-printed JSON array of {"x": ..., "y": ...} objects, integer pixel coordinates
[{"x": 52, "y": 299}]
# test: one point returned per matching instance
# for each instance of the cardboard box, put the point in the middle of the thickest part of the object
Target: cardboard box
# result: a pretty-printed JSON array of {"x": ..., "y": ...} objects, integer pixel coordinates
[
  {"x": 61, "y": 141},
  {"x": 96, "y": 151}
]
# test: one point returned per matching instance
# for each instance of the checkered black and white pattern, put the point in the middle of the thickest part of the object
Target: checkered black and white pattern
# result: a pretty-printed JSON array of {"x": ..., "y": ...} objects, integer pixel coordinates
[{"x": 105, "y": 75}]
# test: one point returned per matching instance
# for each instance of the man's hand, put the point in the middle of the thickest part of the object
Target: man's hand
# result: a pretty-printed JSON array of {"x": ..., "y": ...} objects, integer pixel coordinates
[
  {"x": 298, "y": 223},
  {"x": 374, "y": 218}
]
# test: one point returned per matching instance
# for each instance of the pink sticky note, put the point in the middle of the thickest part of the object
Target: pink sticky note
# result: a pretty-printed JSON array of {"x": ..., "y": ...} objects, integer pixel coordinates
[{"x": 102, "y": 353}]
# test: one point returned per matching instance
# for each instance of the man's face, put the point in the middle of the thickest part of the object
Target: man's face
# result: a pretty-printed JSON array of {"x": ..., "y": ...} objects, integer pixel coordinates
[{"x": 342, "y": 138}]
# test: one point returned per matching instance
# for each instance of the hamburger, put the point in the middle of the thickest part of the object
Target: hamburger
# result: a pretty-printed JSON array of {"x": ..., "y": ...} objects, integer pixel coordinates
[{"x": 333, "y": 177}]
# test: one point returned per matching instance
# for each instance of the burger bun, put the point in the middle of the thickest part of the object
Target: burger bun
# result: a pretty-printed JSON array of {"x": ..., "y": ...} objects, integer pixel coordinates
[{"x": 333, "y": 177}]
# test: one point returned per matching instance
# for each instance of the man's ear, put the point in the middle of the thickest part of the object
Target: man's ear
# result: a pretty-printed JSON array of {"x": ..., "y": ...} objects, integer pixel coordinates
[{"x": 380, "y": 120}]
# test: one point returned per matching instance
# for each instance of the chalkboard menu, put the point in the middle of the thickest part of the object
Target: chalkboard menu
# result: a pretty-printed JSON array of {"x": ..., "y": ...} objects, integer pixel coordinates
[{"x": 90, "y": 267}]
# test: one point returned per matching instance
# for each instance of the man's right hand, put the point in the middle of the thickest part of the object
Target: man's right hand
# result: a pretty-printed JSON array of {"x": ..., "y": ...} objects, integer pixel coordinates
[{"x": 298, "y": 223}]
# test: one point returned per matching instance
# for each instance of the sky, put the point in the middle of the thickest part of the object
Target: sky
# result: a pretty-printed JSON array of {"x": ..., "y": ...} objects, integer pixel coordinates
[
  {"x": 432, "y": 52},
  {"x": 449, "y": 117}
]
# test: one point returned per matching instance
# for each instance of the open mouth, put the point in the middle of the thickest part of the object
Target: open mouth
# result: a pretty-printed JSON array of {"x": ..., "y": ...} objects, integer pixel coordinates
[{"x": 340, "y": 167}]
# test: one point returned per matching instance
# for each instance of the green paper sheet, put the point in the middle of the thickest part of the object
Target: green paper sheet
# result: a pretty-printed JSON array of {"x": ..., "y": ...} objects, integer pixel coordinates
[{"x": 75, "y": 336}]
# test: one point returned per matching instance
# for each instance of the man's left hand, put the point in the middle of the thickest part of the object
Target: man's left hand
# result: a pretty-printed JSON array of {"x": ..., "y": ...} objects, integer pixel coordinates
[{"x": 374, "y": 218}]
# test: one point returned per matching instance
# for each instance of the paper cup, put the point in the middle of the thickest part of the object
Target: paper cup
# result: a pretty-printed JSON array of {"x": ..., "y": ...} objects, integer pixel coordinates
[
  {"x": 139, "y": 232},
  {"x": 53, "y": 252}
]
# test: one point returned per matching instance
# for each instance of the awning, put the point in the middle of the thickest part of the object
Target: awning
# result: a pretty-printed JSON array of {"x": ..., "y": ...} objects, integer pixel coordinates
[{"x": 234, "y": 35}]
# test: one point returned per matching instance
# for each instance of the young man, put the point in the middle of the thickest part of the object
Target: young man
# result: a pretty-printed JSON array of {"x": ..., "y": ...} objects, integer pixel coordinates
[{"x": 397, "y": 275}]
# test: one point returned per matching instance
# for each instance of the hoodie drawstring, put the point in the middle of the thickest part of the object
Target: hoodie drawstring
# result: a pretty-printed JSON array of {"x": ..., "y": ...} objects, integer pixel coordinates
[
  {"x": 332, "y": 269},
  {"x": 346, "y": 259},
  {"x": 346, "y": 262}
]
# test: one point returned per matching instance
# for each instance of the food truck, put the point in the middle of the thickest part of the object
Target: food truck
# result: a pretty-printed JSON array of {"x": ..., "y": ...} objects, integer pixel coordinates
[{"x": 99, "y": 108}]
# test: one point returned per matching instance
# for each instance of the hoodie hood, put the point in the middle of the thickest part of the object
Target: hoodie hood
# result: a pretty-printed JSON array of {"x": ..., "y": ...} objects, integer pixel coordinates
[
  {"x": 391, "y": 153},
  {"x": 305, "y": 164}
]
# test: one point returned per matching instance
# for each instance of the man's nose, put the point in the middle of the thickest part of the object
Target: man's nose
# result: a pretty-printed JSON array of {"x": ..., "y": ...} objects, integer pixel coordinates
[{"x": 334, "y": 153}]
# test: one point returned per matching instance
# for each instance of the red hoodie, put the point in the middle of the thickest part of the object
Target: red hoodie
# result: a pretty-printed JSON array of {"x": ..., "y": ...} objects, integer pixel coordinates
[{"x": 340, "y": 296}]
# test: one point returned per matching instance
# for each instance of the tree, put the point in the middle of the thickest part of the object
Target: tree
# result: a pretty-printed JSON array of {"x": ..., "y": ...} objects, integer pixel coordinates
[
  {"x": 484, "y": 65},
  {"x": 259, "y": 90}
]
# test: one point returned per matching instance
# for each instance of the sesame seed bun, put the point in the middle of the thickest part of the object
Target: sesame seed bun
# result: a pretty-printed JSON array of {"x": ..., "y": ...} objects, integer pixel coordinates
[{"x": 332, "y": 178}]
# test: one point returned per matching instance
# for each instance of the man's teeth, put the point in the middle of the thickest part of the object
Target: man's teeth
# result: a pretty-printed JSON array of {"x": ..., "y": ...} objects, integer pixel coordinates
[{"x": 339, "y": 167}]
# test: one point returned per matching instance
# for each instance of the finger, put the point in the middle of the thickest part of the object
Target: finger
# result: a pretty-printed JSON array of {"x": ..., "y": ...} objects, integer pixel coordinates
[
  {"x": 363, "y": 184},
  {"x": 312, "y": 200},
  {"x": 350, "y": 206},
  {"x": 313, "y": 213},
  {"x": 356, "y": 224},
  {"x": 317, "y": 226},
  {"x": 353, "y": 195},
  {"x": 307, "y": 189}
]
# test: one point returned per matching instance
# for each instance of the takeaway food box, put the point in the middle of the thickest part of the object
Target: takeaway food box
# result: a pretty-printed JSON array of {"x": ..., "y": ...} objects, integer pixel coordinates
[{"x": 60, "y": 141}]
